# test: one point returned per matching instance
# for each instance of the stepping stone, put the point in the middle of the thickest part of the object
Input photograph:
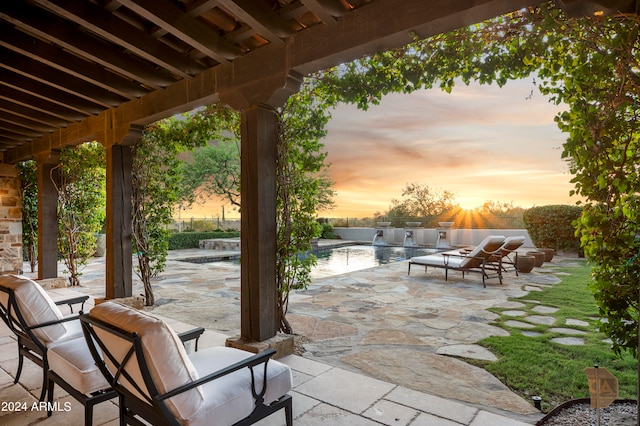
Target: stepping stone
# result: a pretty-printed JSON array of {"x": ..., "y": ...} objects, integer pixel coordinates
[
  {"x": 570, "y": 331},
  {"x": 467, "y": 351},
  {"x": 532, "y": 288},
  {"x": 579, "y": 323},
  {"x": 509, "y": 305},
  {"x": 569, "y": 341},
  {"x": 518, "y": 324},
  {"x": 514, "y": 313},
  {"x": 531, "y": 333},
  {"x": 545, "y": 309},
  {"x": 541, "y": 319}
]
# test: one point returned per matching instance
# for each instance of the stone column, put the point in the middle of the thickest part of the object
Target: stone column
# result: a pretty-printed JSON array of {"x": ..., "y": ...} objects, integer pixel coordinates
[{"x": 10, "y": 220}]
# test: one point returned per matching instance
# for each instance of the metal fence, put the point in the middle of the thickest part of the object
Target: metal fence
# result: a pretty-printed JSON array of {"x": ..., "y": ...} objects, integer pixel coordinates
[{"x": 204, "y": 224}]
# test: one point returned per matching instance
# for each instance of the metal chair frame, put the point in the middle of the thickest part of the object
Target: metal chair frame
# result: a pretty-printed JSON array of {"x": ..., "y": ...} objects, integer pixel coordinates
[{"x": 153, "y": 409}]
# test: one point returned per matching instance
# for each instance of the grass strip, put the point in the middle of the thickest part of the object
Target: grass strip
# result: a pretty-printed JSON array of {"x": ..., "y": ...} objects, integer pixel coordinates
[{"x": 538, "y": 366}]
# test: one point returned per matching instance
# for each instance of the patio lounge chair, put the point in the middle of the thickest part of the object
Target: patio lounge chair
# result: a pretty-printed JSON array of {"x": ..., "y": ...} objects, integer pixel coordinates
[
  {"x": 478, "y": 260},
  {"x": 507, "y": 254},
  {"x": 52, "y": 341},
  {"x": 158, "y": 383}
]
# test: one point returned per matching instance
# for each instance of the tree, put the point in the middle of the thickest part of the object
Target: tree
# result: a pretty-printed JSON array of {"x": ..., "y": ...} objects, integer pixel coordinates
[
  {"x": 303, "y": 189},
  {"x": 28, "y": 172},
  {"x": 214, "y": 169},
  {"x": 156, "y": 189},
  {"x": 79, "y": 178},
  {"x": 418, "y": 200}
]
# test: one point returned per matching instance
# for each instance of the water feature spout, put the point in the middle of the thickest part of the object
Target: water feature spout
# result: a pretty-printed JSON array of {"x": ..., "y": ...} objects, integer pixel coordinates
[
  {"x": 444, "y": 235},
  {"x": 408, "y": 239},
  {"x": 378, "y": 238}
]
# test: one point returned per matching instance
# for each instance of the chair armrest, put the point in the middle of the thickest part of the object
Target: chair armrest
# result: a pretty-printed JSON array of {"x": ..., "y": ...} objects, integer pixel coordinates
[
  {"x": 73, "y": 301},
  {"x": 262, "y": 357},
  {"x": 60, "y": 321},
  {"x": 195, "y": 333}
]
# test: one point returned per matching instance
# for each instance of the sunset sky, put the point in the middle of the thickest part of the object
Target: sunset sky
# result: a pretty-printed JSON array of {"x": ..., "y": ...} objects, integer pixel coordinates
[{"x": 480, "y": 142}]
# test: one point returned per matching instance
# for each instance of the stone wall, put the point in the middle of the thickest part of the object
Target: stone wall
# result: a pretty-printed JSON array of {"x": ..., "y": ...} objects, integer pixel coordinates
[{"x": 10, "y": 220}]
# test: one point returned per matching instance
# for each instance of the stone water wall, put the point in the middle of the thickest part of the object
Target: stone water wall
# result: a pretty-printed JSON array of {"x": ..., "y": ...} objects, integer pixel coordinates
[{"x": 10, "y": 220}]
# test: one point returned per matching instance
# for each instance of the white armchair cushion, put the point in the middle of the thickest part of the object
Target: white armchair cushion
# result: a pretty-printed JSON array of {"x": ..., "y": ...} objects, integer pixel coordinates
[
  {"x": 229, "y": 398},
  {"x": 36, "y": 307},
  {"x": 167, "y": 360},
  {"x": 72, "y": 361}
]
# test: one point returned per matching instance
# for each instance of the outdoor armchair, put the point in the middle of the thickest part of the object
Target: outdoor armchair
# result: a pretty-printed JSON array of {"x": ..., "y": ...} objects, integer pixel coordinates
[
  {"x": 52, "y": 341},
  {"x": 478, "y": 260},
  {"x": 36, "y": 321},
  {"x": 159, "y": 383}
]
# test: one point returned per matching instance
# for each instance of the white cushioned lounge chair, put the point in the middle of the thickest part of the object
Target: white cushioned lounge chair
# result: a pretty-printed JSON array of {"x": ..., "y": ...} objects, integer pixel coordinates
[
  {"x": 159, "y": 383},
  {"x": 478, "y": 260},
  {"x": 507, "y": 255},
  {"x": 53, "y": 341}
]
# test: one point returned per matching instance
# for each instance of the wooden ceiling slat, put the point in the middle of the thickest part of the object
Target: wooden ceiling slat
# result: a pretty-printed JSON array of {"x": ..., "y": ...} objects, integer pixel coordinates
[
  {"x": 43, "y": 91},
  {"x": 258, "y": 16},
  {"x": 39, "y": 104},
  {"x": 20, "y": 130},
  {"x": 53, "y": 56},
  {"x": 118, "y": 32},
  {"x": 191, "y": 31},
  {"x": 32, "y": 115},
  {"x": 50, "y": 76},
  {"x": 9, "y": 117},
  {"x": 322, "y": 13},
  {"x": 56, "y": 30}
]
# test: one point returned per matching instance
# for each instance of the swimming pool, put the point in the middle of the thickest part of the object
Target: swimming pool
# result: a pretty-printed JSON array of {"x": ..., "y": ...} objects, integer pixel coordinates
[{"x": 341, "y": 260}]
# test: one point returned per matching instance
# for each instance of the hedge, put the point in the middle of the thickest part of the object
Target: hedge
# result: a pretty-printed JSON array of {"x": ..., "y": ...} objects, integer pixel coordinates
[
  {"x": 552, "y": 226},
  {"x": 186, "y": 240}
]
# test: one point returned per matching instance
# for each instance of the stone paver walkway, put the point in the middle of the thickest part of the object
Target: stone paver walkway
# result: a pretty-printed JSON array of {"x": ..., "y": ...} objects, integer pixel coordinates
[{"x": 412, "y": 331}]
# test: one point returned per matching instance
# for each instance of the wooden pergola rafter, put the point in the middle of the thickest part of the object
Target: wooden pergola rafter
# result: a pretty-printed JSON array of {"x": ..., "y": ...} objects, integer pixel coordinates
[{"x": 73, "y": 71}]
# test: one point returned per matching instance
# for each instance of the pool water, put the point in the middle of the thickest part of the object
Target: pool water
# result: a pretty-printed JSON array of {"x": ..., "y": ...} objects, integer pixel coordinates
[{"x": 341, "y": 260}]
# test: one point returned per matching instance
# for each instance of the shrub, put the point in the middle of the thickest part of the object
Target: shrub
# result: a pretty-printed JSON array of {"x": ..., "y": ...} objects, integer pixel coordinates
[
  {"x": 185, "y": 240},
  {"x": 327, "y": 232},
  {"x": 553, "y": 226}
]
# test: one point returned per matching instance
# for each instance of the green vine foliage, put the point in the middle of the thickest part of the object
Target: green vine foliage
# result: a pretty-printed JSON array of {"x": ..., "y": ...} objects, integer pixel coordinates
[
  {"x": 80, "y": 180},
  {"x": 303, "y": 189},
  {"x": 28, "y": 173}
]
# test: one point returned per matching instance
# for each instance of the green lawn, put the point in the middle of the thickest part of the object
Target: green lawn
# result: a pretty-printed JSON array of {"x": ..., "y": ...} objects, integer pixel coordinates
[{"x": 537, "y": 366}]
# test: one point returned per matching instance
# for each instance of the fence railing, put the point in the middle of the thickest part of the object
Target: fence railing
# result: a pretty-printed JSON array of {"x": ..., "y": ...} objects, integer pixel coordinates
[{"x": 204, "y": 224}]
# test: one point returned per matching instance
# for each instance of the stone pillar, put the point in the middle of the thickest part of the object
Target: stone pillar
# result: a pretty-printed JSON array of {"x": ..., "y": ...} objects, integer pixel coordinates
[
  {"x": 10, "y": 220},
  {"x": 258, "y": 224}
]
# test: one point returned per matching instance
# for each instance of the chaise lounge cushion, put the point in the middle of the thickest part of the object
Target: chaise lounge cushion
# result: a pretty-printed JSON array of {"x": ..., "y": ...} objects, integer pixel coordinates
[
  {"x": 457, "y": 260},
  {"x": 72, "y": 360},
  {"x": 37, "y": 308},
  {"x": 165, "y": 355}
]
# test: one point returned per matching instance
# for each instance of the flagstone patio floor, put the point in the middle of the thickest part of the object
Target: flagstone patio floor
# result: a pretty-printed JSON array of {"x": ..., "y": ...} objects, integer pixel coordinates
[{"x": 381, "y": 347}]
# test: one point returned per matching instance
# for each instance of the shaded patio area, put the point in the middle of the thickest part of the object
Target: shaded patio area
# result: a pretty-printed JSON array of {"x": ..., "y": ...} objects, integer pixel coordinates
[{"x": 379, "y": 345}]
